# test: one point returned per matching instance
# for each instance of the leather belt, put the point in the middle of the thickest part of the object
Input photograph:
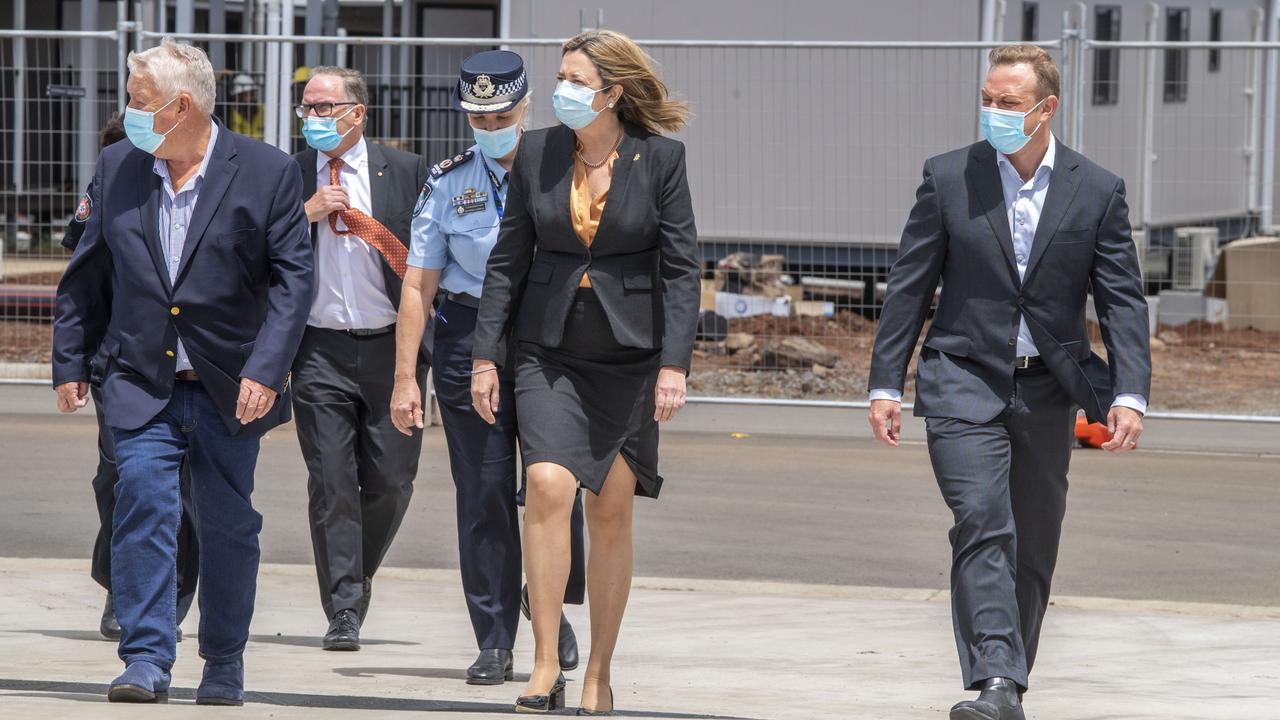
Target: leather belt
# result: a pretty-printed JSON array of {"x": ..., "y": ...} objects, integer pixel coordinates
[
  {"x": 367, "y": 332},
  {"x": 464, "y": 299},
  {"x": 1027, "y": 362},
  {"x": 186, "y": 376}
]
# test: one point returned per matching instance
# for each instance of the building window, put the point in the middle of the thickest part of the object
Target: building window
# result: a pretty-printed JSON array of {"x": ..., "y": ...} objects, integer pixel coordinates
[
  {"x": 1030, "y": 21},
  {"x": 1177, "y": 28},
  {"x": 1215, "y": 35},
  {"x": 1106, "y": 61}
]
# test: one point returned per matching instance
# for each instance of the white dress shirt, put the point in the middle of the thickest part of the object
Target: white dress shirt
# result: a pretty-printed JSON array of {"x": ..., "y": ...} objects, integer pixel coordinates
[
  {"x": 177, "y": 206},
  {"x": 351, "y": 292},
  {"x": 1024, "y": 203}
]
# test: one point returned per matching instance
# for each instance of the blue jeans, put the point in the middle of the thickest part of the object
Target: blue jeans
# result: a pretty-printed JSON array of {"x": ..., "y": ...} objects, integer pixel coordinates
[{"x": 148, "y": 511}]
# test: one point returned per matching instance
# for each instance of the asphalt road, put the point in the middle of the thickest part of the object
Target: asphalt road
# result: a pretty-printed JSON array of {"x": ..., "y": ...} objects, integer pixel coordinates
[{"x": 824, "y": 507}]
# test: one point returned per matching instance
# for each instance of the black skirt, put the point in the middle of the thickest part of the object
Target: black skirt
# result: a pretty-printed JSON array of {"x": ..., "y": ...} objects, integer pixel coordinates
[{"x": 581, "y": 404}]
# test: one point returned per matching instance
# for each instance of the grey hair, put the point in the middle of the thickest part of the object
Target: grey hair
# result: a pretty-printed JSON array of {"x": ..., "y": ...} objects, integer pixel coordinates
[
  {"x": 352, "y": 80},
  {"x": 175, "y": 68}
]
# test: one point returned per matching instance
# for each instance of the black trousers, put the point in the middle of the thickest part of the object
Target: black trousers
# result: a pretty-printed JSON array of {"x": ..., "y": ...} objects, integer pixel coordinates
[
  {"x": 483, "y": 460},
  {"x": 360, "y": 468},
  {"x": 104, "y": 494},
  {"x": 1006, "y": 484}
]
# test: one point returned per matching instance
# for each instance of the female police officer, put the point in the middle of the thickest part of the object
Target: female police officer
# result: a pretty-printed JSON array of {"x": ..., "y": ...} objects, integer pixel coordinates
[{"x": 455, "y": 225}]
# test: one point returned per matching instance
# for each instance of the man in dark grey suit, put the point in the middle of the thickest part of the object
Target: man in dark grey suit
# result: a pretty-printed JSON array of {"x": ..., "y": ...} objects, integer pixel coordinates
[
  {"x": 1018, "y": 229},
  {"x": 360, "y": 468}
]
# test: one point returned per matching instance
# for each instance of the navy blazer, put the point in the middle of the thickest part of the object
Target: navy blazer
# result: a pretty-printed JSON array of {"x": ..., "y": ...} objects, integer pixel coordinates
[
  {"x": 240, "y": 300},
  {"x": 958, "y": 234},
  {"x": 643, "y": 263}
]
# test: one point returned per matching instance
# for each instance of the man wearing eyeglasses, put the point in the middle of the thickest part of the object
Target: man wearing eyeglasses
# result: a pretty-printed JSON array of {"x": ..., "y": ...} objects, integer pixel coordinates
[{"x": 361, "y": 469}]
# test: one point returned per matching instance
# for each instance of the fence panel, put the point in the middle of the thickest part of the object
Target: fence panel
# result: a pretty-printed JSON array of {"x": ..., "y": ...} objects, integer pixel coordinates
[{"x": 803, "y": 160}]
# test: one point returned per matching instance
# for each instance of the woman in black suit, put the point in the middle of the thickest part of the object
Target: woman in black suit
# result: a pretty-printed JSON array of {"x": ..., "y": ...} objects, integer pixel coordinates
[{"x": 596, "y": 272}]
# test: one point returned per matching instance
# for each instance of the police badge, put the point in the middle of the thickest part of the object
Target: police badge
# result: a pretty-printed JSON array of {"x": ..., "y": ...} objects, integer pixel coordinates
[
  {"x": 84, "y": 209},
  {"x": 484, "y": 87}
]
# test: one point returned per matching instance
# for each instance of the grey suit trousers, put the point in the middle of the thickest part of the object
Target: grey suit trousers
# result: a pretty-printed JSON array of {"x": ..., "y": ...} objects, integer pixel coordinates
[{"x": 1006, "y": 484}]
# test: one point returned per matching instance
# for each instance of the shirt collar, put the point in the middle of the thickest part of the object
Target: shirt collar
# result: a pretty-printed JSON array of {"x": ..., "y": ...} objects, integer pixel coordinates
[
  {"x": 354, "y": 158},
  {"x": 499, "y": 172},
  {"x": 1046, "y": 165},
  {"x": 161, "y": 168}
]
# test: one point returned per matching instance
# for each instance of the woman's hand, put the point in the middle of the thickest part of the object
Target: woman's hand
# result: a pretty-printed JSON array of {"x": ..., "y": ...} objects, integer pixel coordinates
[
  {"x": 484, "y": 389},
  {"x": 669, "y": 394}
]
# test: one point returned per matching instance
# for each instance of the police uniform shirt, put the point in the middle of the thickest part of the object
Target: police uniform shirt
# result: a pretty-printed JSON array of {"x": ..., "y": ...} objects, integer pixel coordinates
[
  {"x": 455, "y": 225},
  {"x": 351, "y": 293}
]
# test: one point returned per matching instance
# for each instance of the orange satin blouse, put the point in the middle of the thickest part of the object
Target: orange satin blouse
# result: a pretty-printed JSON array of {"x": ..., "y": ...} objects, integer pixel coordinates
[{"x": 585, "y": 211}]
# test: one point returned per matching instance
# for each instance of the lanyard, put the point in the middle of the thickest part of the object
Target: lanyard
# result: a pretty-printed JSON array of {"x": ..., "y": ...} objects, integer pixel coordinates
[{"x": 497, "y": 187}]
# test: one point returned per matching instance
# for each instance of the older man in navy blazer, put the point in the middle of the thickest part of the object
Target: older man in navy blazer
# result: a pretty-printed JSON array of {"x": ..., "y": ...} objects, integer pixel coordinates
[{"x": 188, "y": 295}]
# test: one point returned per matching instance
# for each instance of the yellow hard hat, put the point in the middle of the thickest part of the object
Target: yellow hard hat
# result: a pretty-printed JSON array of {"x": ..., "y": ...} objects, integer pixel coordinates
[{"x": 302, "y": 74}]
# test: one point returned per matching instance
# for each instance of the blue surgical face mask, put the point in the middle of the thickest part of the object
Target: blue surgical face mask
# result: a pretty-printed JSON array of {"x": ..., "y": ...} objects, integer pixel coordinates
[
  {"x": 572, "y": 104},
  {"x": 1004, "y": 128},
  {"x": 140, "y": 128},
  {"x": 322, "y": 133},
  {"x": 499, "y": 143}
]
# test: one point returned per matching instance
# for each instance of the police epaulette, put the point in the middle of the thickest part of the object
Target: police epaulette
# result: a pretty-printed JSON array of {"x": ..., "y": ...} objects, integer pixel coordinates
[{"x": 445, "y": 166}]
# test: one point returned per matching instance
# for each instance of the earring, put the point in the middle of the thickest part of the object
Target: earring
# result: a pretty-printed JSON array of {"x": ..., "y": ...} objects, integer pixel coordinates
[{"x": 610, "y": 105}]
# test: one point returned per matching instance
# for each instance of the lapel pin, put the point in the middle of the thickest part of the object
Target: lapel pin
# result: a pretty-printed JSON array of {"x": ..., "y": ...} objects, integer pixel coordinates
[
  {"x": 637, "y": 157},
  {"x": 379, "y": 173}
]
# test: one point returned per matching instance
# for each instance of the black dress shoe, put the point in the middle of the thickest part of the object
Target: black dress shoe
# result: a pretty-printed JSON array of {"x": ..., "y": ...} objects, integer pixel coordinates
[
  {"x": 568, "y": 647},
  {"x": 492, "y": 667},
  {"x": 999, "y": 700},
  {"x": 553, "y": 700},
  {"x": 365, "y": 598},
  {"x": 344, "y": 631},
  {"x": 109, "y": 627}
]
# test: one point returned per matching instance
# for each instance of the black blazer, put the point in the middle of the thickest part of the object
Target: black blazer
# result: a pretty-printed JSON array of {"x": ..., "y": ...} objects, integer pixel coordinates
[
  {"x": 395, "y": 178},
  {"x": 644, "y": 261},
  {"x": 240, "y": 300},
  {"x": 958, "y": 233}
]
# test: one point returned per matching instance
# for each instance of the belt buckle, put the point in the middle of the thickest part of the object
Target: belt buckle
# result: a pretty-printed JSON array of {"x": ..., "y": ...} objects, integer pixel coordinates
[{"x": 1022, "y": 363}]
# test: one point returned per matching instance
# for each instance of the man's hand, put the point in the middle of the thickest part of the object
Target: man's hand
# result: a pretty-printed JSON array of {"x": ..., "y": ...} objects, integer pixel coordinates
[
  {"x": 328, "y": 199},
  {"x": 406, "y": 405},
  {"x": 669, "y": 393},
  {"x": 254, "y": 402},
  {"x": 1125, "y": 425},
  {"x": 484, "y": 389},
  {"x": 72, "y": 396},
  {"x": 886, "y": 421}
]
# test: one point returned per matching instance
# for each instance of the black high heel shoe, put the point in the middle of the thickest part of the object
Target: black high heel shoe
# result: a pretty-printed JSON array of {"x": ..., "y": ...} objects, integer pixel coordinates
[
  {"x": 584, "y": 711},
  {"x": 554, "y": 700}
]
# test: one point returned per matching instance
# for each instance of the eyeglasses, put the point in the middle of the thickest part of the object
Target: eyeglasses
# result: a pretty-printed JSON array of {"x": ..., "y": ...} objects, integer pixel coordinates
[{"x": 323, "y": 109}]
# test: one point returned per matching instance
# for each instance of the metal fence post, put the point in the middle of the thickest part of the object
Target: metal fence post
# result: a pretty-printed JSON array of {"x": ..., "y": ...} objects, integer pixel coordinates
[
  {"x": 87, "y": 140},
  {"x": 1146, "y": 133},
  {"x": 271, "y": 118},
  {"x": 19, "y": 102}
]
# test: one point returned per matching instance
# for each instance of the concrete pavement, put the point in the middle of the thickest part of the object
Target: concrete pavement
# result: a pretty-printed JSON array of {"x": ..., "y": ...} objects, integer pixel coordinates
[{"x": 690, "y": 649}]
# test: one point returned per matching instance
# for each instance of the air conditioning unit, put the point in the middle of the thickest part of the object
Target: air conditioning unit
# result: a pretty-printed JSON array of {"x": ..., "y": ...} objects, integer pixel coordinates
[
  {"x": 1195, "y": 253},
  {"x": 1154, "y": 261}
]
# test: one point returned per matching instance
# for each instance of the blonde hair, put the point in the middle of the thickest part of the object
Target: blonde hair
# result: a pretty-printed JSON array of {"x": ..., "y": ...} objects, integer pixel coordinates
[
  {"x": 620, "y": 61},
  {"x": 1048, "y": 80},
  {"x": 175, "y": 68}
]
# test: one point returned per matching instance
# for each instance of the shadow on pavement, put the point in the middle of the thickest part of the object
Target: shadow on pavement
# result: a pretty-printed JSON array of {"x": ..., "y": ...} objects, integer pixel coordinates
[
  {"x": 97, "y": 692},
  {"x": 294, "y": 640}
]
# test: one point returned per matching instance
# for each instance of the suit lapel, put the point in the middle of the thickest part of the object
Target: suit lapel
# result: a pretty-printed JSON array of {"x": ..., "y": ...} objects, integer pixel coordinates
[
  {"x": 1063, "y": 183},
  {"x": 558, "y": 164},
  {"x": 218, "y": 176},
  {"x": 307, "y": 163},
  {"x": 379, "y": 182},
  {"x": 149, "y": 189},
  {"x": 618, "y": 185},
  {"x": 983, "y": 176}
]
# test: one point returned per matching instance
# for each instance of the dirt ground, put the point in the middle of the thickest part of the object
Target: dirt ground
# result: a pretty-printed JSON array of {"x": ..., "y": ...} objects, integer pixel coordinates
[{"x": 1200, "y": 368}]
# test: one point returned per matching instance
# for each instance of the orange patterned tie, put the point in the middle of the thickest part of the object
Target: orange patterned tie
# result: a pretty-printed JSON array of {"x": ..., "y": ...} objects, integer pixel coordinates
[{"x": 368, "y": 229}]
